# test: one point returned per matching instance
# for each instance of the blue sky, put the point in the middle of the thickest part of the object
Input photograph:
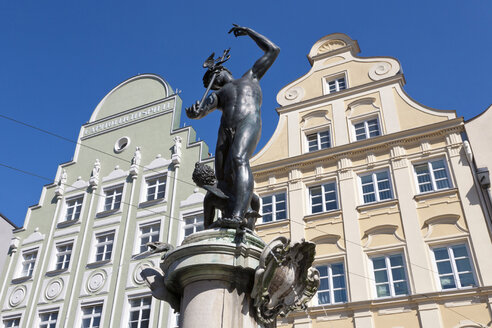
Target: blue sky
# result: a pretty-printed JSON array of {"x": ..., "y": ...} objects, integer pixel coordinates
[{"x": 59, "y": 59}]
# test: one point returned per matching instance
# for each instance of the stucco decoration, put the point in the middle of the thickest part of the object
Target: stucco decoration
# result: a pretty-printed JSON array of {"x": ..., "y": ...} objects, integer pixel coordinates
[
  {"x": 330, "y": 239},
  {"x": 17, "y": 296},
  {"x": 193, "y": 199},
  {"x": 60, "y": 189},
  {"x": 319, "y": 116},
  {"x": 383, "y": 70},
  {"x": 432, "y": 226},
  {"x": 117, "y": 173},
  {"x": 177, "y": 150},
  {"x": 96, "y": 281},
  {"x": 284, "y": 280},
  {"x": 330, "y": 45},
  {"x": 294, "y": 94},
  {"x": 367, "y": 102},
  {"x": 135, "y": 163},
  {"x": 34, "y": 237},
  {"x": 79, "y": 184},
  {"x": 96, "y": 169},
  {"x": 53, "y": 289},
  {"x": 385, "y": 229},
  {"x": 158, "y": 162}
]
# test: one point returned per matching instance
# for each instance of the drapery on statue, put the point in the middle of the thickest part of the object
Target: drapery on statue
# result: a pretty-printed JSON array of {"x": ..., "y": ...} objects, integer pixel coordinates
[{"x": 239, "y": 133}]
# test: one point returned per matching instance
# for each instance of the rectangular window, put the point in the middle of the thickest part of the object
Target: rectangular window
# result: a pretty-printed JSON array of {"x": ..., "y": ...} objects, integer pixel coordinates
[
  {"x": 432, "y": 176},
  {"x": 376, "y": 187},
  {"x": 149, "y": 233},
  {"x": 193, "y": 224},
  {"x": 389, "y": 275},
  {"x": 318, "y": 140},
  {"x": 28, "y": 262},
  {"x": 104, "y": 246},
  {"x": 91, "y": 316},
  {"x": 11, "y": 323},
  {"x": 140, "y": 312},
  {"x": 332, "y": 284},
  {"x": 74, "y": 206},
  {"x": 48, "y": 319},
  {"x": 367, "y": 129},
  {"x": 323, "y": 198},
  {"x": 454, "y": 267},
  {"x": 156, "y": 188},
  {"x": 336, "y": 85},
  {"x": 274, "y": 207},
  {"x": 63, "y": 255},
  {"x": 113, "y": 199}
]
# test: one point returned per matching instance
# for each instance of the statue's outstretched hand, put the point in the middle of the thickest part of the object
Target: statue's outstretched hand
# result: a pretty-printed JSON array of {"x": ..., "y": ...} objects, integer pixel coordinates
[
  {"x": 194, "y": 110},
  {"x": 238, "y": 30}
]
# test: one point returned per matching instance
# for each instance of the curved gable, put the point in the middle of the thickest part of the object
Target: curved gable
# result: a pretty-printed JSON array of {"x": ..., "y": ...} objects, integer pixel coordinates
[{"x": 134, "y": 92}]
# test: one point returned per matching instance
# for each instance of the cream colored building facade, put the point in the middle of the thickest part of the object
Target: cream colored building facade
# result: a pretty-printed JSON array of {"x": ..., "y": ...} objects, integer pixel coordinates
[{"x": 383, "y": 186}]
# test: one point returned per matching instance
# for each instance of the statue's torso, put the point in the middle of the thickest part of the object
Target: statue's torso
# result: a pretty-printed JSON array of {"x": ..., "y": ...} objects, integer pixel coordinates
[{"x": 240, "y": 100}]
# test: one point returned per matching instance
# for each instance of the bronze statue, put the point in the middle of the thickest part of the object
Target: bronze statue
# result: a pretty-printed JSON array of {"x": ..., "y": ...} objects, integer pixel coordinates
[{"x": 239, "y": 133}]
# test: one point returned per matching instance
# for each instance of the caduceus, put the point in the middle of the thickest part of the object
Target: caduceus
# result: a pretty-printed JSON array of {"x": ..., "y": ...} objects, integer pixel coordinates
[{"x": 214, "y": 66}]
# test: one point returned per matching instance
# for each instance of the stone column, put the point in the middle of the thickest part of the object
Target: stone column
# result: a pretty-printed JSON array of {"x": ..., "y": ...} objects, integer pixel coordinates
[{"x": 212, "y": 273}]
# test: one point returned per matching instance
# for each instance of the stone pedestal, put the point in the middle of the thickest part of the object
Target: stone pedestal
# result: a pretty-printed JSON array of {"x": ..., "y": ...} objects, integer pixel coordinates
[{"x": 212, "y": 272}]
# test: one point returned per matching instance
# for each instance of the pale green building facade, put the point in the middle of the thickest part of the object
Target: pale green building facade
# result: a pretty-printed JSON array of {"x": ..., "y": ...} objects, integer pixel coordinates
[{"x": 76, "y": 260}]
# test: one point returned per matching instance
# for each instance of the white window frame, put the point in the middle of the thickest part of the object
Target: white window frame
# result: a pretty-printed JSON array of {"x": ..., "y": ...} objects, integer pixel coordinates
[
  {"x": 50, "y": 320},
  {"x": 335, "y": 77},
  {"x": 316, "y": 130},
  {"x": 111, "y": 190},
  {"x": 144, "y": 224},
  {"x": 11, "y": 318},
  {"x": 140, "y": 308},
  {"x": 93, "y": 305},
  {"x": 145, "y": 185},
  {"x": 330, "y": 278},
  {"x": 431, "y": 175},
  {"x": 65, "y": 253},
  {"x": 375, "y": 186},
  {"x": 318, "y": 140},
  {"x": 364, "y": 119},
  {"x": 196, "y": 211},
  {"x": 104, "y": 245},
  {"x": 454, "y": 268},
  {"x": 76, "y": 204},
  {"x": 193, "y": 225},
  {"x": 324, "y": 210},
  {"x": 161, "y": 180},
  {"x": 29, "y": 272},
  {"x": 389, "y": 274},
  {"x": 274, "y": 206}
]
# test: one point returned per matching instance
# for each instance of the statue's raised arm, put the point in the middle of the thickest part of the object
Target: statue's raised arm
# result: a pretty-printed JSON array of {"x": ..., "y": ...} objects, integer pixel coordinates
[{"x": 271, "y": 50}]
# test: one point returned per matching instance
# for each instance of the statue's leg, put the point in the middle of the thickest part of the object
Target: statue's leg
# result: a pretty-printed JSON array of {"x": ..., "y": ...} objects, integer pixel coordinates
[
  {"x": 221, "y": 151},
  {"x": 245, "y": 141}
]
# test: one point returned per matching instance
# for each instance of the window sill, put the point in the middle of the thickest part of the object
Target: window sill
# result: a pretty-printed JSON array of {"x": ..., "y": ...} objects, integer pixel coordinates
[
  {"x": 56, "y": 272},
  {"x": 376, "y": 205},
  {"x": 323, "y": 215},
  {"x": 65, "y": 224},
  {"x": 108, "y": 213},
  {"x": 435, "y": 194},
  {"x": 151, "y": 202},
  {"x": 271, "y": 224},
  {"x": 97, "y": 264},
  {"x": 21, "y": 279}
]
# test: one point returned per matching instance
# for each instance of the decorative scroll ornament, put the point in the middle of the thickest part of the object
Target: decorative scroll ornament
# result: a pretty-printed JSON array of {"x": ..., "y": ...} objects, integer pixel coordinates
[{"x": 285, "y": 279}]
